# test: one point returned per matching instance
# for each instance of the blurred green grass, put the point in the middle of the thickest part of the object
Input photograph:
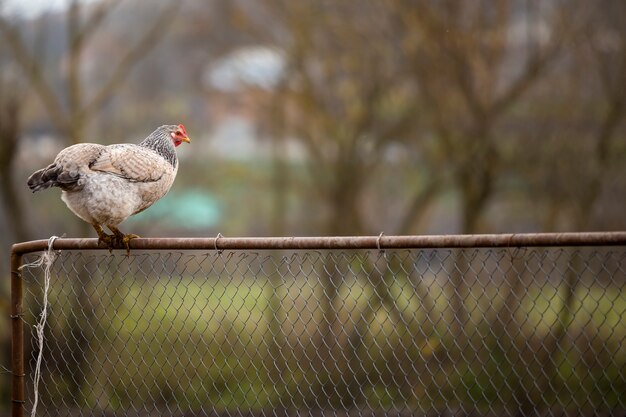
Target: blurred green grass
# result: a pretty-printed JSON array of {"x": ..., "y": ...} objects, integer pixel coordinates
[{"x": 198, "y": 342}]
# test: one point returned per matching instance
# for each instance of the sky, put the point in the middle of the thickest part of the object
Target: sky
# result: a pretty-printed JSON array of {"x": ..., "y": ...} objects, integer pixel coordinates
[{"x": 31, "y": 8}]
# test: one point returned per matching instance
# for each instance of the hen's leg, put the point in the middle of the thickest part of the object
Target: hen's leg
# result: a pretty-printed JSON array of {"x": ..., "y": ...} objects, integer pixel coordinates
[
  {"x": 122, "y": 238},
  {"x": 108, "y": 240}
]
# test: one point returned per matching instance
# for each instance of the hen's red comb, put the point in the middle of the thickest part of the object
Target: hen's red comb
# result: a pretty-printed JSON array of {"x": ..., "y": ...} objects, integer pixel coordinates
[{"x": 181, "y": 127}]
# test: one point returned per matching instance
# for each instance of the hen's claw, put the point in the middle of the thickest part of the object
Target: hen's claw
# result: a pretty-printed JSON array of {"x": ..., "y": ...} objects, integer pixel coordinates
[
  {"x": 115, "y": 241},
  {"x": 121, "y": 239},
  {"x": 126, "y": 241},
  {"x": 108, "y": 240}
]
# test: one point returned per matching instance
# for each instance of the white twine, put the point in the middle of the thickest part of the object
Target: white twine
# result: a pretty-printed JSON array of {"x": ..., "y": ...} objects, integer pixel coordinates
[{"x": 46, "y": 260}]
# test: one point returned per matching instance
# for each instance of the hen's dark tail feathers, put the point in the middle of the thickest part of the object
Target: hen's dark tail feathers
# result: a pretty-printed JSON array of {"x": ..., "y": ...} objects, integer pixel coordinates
[{"x": 52, "y": 176}]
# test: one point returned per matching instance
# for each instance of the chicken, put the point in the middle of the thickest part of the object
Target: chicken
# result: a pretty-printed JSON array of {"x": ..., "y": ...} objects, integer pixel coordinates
[{"x": 104, "y": 185}]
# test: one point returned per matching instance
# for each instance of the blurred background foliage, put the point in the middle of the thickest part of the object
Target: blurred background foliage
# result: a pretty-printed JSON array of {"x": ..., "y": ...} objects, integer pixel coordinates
[{"x": 319, "y": 117}]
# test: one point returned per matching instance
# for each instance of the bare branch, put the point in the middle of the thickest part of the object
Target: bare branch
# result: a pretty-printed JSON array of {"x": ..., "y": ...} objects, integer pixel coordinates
[
  {"x": 534, "y": 69},
  {"x": 74, "y": 86},
  {"x": 95, "y": 20},
  {"x": 33, "y": 70},
  {"x": 145, "y": 44},
  {"x": 566, "y": 28},
  {"x": 417, "y": 206}
]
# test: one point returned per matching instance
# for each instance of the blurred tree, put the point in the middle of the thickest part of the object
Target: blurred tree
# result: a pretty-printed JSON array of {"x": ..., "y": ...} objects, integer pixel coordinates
[
  {"x": 603, "y": 53},
  {"x": 343, "y": 109},
  {"x": 9, "y": 138},
  {"x": 473, "y": 63},
  {"x": 345, "y": 112},
  {"x": 347, "y": 104},
  {"x": 450, "y": 71},
  {"x": 70, "y": 111},
  {"x": 598, "y": 82}
]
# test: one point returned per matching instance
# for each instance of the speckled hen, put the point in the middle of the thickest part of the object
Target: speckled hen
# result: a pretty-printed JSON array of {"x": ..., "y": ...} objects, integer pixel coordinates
[{"x": 104, "y": 185}]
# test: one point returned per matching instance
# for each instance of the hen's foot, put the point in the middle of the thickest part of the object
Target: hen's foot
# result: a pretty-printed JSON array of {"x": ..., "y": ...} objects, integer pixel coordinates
[
  {"x": 122, "y": 239},
  {"x": 126, "y": 241},
  {"x": 108, "y": 240}
]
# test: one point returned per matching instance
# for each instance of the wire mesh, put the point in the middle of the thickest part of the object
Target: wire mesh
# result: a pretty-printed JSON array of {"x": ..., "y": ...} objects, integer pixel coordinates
[{"x": 482, "y": 332}]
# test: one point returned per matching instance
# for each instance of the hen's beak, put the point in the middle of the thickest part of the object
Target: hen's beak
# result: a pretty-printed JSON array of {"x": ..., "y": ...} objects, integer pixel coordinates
[{"x": 186, "y": 139}]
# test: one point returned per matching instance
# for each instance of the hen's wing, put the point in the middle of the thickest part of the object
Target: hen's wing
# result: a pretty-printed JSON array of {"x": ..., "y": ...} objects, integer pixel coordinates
[
  {"x": 132, "y": 162},
  {"x": 67, "y": 169}
]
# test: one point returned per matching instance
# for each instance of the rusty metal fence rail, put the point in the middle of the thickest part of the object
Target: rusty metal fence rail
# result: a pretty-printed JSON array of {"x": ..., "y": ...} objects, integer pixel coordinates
[{"x": 481, "y": 325}]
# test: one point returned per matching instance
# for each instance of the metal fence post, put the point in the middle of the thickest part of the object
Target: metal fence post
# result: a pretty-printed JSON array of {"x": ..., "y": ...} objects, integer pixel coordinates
[{"x": 17, "y": 338}]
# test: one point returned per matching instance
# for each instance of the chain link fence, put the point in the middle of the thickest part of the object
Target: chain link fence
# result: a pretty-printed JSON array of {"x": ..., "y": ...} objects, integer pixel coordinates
[{"x": 420, "y": 332}]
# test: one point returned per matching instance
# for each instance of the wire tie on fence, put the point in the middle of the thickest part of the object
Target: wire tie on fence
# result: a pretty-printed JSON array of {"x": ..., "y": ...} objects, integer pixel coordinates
[
  {"x": 381, "y": 250},
  {"x": 511, "y": 238},
  {"x": 219, "y": 251}
]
